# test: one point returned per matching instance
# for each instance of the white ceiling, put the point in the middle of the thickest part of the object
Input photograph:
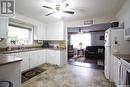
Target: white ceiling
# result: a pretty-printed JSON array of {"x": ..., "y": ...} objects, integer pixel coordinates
[{"x": 88, "y": 9}]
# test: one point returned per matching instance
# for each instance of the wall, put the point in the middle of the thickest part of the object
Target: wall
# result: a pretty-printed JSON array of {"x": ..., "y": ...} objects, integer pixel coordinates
[
  {"x": 95, "y": 38},
  {"x": 124, "y": 13},
  {"x": 79, "y": 23}
]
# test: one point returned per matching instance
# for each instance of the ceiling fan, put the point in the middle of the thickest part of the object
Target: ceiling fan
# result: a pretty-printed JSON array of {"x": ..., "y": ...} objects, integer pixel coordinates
[{"x": 59, "y": 7}]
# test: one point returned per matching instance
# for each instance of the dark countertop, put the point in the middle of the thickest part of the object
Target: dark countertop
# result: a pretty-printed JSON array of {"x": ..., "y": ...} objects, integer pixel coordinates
[
  {"x": 30, "y": 49},
  {"x": 4, "y": 59},
  {"x": 122, "y": 56}
]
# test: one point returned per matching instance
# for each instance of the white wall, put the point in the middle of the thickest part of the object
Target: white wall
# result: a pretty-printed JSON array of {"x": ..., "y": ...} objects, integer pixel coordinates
[
  {"x": 79, "y": 23},
  {"x": 124, "y": 13},
  {"x": 95, "y": 38}
]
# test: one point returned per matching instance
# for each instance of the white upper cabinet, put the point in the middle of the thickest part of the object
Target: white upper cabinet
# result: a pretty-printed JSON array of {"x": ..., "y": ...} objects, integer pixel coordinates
[
  {"x": 40, "y": 32},
  {"x": 3, "y": 27},
  {"x": 55, "y": 31}
]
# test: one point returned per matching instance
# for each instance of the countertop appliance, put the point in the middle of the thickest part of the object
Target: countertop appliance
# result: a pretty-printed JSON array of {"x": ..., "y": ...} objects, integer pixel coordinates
[
  {"x": 114, "y": 43},
  {"x": 45, "y": 44}
]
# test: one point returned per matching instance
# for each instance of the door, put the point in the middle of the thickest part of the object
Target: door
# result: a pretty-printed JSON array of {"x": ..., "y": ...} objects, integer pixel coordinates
[
  {"x": 41, "y": 57},
  {"x": 116, "y": 70},
  {"x": 107, "y": 61},
  {"x": 33, "y": 59},
  {"x": 50, "y": 56},
  {"x": 108, "y": 37},
  {"x": 25, "y": 61}
]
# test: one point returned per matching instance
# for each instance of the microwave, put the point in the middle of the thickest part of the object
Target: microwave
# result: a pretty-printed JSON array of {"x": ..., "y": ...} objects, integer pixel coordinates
[{"x": 127, "y": 34}]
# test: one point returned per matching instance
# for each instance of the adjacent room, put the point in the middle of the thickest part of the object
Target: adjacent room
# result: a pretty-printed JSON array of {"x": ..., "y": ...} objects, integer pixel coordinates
[{"x": 86, "y": 45}]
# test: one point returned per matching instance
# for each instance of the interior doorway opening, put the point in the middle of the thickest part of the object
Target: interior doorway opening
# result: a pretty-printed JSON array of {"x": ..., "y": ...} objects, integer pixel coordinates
[{"x": 86, "y": 46}]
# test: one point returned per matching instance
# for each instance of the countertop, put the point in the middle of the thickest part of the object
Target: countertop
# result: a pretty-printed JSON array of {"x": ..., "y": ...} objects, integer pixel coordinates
[
  {"x": 4, "y": 59},
  {"x": 123, "y": 56},
  {"x": 30, "y": 49}
]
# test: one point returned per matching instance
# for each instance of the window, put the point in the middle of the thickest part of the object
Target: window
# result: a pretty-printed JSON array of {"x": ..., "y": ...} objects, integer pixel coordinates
[
  {"x": 19, "y": 35},
  {"x": 80, "y": 39}
]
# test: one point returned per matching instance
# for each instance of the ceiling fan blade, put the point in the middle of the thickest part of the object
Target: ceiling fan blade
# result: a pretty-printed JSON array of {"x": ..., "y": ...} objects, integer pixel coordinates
[
  {"x": 48, "y": 7},
  {"x": 49, "y": 14},
  {"x": 69, "y": 12},
  {"x": 55, "y": 1}
]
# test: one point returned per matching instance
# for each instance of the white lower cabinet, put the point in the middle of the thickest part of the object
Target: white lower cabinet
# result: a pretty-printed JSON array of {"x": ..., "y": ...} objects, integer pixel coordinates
[
  {"x": 33, "y": 62},
  {"x": 25, "y": 62},
  {"x": 116, "y": 70},
  {"x": 55, "y": 57},
  {"x": 41, "y": 57},
  {"x": 33, "y": 59}
]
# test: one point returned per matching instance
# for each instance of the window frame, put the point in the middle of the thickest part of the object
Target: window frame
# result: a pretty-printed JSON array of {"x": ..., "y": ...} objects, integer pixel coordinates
[
  {"x": 25, "y": 26},
  {"x": 78, "y": 43}
]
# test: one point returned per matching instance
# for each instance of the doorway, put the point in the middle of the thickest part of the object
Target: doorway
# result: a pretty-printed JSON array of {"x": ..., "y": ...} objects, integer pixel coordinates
[{"x": 86, "y": 48}]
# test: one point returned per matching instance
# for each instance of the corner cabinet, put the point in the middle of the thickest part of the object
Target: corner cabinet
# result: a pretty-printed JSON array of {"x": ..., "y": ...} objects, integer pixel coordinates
[
  {"x": 55, "y": 31},
  {"x": 55, "y": 57},
  {"x": 3, "y": 27}
]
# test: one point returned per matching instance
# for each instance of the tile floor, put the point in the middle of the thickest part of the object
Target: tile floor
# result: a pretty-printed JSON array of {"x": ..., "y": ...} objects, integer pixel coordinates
[{"x": 68, "y": 76}]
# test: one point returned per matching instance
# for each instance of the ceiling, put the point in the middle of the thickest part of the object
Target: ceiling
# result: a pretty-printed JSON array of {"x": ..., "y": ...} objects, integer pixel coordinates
[{"x": 83, "y": 9}]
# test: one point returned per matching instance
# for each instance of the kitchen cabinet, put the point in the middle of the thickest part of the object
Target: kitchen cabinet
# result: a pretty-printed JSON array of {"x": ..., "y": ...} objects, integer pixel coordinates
[
  {"x": 33, "y": 59},
  {"x": 55, "y": 31},
  {"x": 25, "y": 62},
  {"x": 3, "y": 27},
  {"x": 11, "y": 72},
  {"x": 41, "y": 57},
  {"x": 55, "y": 57},
  {"x": 116, "y": 70},
  {"x": 40, "y": 32}
]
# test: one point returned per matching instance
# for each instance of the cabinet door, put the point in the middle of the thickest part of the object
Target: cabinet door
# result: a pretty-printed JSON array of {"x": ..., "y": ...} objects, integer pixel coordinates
[
  {"x": 116, "y": 70},
  {"x": 25, "y": 62},
  {"x": 62, "y": 57},
  {"x": 49, "y": 56},
  {"x": 3, "y": 27},
  {"x": 53, "y": 57},
  {"x": 41, "y": 57},
  {"x": 56, "y": 57},
  {"x": 33, "y": 59},
  {"x": 39, "y": 32},
  {"x": 55, "y": 31}
]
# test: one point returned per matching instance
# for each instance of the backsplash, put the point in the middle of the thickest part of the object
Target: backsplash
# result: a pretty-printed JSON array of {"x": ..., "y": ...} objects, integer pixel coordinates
[{"x": 52, "y": 44}]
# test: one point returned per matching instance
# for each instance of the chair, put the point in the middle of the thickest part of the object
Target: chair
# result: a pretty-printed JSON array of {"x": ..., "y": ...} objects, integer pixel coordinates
[{"x": 70, "y": 51}]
